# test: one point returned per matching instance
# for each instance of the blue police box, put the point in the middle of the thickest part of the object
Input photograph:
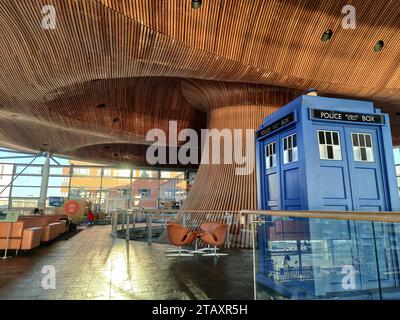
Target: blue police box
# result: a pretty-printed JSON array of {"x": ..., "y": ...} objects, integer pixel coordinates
[{"x": 319, "y": 153}]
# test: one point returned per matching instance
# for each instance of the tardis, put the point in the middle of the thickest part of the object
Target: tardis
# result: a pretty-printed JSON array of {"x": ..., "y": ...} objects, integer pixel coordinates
[{"x": 319, "y": 153}]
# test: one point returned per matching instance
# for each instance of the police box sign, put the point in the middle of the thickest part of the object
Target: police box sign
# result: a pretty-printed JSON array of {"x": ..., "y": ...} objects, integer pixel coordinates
[
  {"x": 347, "y": 116},
  {"x": 276, "y": 125}
]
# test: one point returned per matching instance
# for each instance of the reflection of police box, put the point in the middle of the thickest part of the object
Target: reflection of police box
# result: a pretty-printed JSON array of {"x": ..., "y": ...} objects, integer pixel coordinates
[{"x": 320, "y": 153}]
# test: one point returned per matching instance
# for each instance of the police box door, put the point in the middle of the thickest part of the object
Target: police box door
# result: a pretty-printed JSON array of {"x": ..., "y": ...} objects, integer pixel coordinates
[
  {"x": 271, "y": 174},
  {"x": 365, "y": 169}
]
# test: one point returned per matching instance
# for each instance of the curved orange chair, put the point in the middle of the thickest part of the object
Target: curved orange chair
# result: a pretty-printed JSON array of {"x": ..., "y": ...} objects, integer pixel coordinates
[
  {"x": 179, "y": 236},
  {"x": 214, "y": 234}
]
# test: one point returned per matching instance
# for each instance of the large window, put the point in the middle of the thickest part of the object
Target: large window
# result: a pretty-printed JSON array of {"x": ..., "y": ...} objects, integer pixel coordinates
[
  {"x": 290, "y": 149},
  {"x": 106, "y": 188},
  {"x": 270, "y": 155},
  {"x": 329, "y": 145},
  {"x": 362, "y": 147}
]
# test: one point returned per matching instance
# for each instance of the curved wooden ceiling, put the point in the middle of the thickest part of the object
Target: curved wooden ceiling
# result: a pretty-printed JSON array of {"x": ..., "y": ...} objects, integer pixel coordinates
[{"x": 146, "y": 60}]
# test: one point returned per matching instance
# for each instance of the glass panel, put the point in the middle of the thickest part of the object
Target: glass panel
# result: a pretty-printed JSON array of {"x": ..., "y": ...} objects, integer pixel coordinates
[
  {"x": 144, "y": 174},
  {"x": 3, "y": 203},
  {"x": 65, "y": 171},
  {"x": 362, "y": 140},
  {"x": 172, "y": 174},
  {"x": 29, "y": 170},
  {"x": 77, "y": 181},
  {"x": 368, "y": 140},
  {"x": 355, "y": 140},
  {"x": 335, "y": 138},
  {"x": 28, "y": 181},
  {"x": 356, "y": 153},
  {"x": 300, "y": 258},
  {"x": 125, "y": 173},
  {"x": 6, "y": 169},
  {"x": 59, "y": 181},
  {"x": 85, "y": 193},
  {"x": 57, "y": 192},
  {"x": 115, "y": 183},
  {"x": 87, "y": 172},
  {"x": 5, "y": 180},
  {"x": 330, "y": 152},
  {"x": 370, "y": 154},
  {"x": 328, "y": 137},
  {"x": 4, "y": 192},
  {"x": 321, "y": 137},
  {"x": 363, "y": 154},
  {"x": 24, "y": 203},
  {"x": 25, "y": 192}
]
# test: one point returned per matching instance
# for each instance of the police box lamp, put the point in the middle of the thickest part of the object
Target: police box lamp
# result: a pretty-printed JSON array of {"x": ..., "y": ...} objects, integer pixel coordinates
[
  {"x": 320, "y": 153},
  {"x": 312, "y": 92}
]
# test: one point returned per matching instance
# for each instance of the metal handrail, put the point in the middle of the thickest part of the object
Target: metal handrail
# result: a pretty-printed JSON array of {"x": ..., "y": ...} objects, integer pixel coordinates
[{"x": 337, "y": 215}]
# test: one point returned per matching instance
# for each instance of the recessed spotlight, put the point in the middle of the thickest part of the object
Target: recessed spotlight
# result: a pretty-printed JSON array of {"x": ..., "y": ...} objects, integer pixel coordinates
[
  {"x": 196, "y": 4},
  {"x": 116, "y": 119},
  {"x": 379, "y": 46},
  {"x": 101, "y": 106},
  {"x": 327, "y": 35}
]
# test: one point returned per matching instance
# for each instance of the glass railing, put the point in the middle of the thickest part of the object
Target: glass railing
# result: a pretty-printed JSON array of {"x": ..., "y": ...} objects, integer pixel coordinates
[
  {"x": 336, "y": 255},
  {"x": 150, "y": 224},
  {"x": 140, "y": 224}
]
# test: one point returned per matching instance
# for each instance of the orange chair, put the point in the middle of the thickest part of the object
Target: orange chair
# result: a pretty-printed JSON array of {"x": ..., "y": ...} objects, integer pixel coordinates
[
  {"x": 179, "y": 236},
  {"x": 208, "y": 227},
  {"x": 18, "y": 235},
  {"x": 214, "y": 234}
]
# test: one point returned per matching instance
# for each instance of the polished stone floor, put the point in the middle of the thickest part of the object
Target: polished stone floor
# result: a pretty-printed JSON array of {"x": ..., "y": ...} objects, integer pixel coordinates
[{"x": 93, "y": 265}]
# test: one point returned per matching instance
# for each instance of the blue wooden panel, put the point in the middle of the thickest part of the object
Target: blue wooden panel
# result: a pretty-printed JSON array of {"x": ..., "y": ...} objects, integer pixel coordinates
[
  {"x": 335, "y": 189},
  {"x": 273, "y": 187},
  {"x": 292, "y": 184},
  {"x": 367, "y": 183}
]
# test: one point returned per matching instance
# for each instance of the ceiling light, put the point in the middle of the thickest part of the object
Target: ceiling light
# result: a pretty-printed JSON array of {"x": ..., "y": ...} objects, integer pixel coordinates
[
  {"x": 327, "y": 35},
  {"x": 379, "y": 46},
  {"x": 196, "y": 4}
]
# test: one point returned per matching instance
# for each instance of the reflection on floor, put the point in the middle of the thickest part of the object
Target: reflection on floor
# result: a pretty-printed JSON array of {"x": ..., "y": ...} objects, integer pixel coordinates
[{"x": 93, "y": 265}]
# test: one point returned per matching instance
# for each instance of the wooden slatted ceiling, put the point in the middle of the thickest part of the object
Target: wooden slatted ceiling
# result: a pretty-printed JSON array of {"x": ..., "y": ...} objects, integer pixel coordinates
[{"x": 268, "y": 42}]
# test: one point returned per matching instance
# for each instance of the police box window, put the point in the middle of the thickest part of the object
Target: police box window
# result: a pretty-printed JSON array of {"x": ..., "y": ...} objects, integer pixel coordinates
[
  {"x": 362, "y": 147},
  {"x": 329, "y": 145},
  {"x": 290, "y": 149},
  {"x": 270, "y": 155}
]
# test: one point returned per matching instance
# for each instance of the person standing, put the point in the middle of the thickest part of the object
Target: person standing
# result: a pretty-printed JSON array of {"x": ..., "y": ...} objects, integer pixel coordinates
[{"x": 90, "y": 217}]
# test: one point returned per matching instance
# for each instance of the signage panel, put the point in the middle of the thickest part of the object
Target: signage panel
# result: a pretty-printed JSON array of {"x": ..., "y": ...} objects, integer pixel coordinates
[
  {"x": 290, "y": 118},
  {"x": 347, "y": 116}
]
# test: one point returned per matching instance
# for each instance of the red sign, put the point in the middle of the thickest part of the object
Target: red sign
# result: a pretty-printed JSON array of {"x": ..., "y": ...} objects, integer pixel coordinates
[{"x": 71, "y": 207}]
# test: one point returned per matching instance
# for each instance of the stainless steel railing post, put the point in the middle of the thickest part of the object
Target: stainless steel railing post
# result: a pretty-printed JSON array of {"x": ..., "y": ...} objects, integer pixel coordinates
[
  {"x": 127, "y": 226},
  {"x": 149, "y": 228}
]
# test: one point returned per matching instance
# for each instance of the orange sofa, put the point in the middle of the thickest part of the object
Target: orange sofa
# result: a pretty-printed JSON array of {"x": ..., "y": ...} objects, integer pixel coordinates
[
  {"x": 21, "y": 236},
  {"x": 51, "y": 229}
]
